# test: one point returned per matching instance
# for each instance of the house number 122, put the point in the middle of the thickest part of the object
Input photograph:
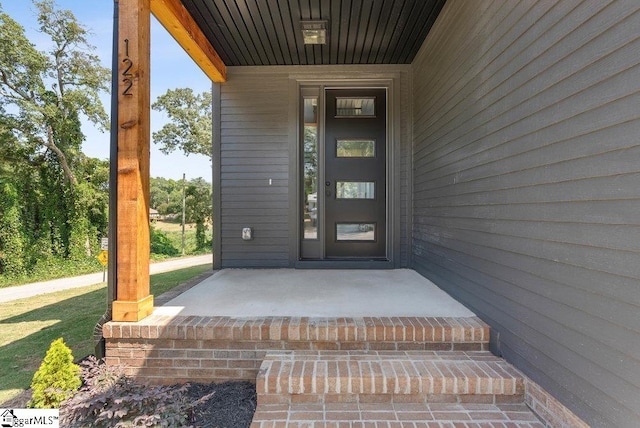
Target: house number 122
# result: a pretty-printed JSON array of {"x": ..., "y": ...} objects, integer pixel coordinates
[{"x": 128, "y": 83}]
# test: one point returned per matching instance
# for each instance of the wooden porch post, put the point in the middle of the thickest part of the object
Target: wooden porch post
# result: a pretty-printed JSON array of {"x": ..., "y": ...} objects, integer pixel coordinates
[{"x": 133, "y": 301}]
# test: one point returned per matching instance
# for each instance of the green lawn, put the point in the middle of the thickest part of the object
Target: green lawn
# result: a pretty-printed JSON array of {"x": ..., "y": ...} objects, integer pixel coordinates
[{"x": 28, "y": 326}]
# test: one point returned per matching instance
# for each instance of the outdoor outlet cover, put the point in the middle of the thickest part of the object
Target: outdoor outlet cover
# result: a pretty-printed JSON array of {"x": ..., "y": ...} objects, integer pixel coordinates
[{"x": 247, "y": 234}]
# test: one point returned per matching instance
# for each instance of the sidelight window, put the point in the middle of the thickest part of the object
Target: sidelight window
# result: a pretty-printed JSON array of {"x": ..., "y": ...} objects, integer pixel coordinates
[{"x": 310, "y": 167}]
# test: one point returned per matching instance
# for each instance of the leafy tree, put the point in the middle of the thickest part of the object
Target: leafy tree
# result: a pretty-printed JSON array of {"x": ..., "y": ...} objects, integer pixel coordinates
[
  {"x": 198, "y": 208},
  {"x": 189, "y": 130},
  {"x": 11, "y": 231},
  {"x": 94, "y": 187},
  {"x": 166, "y": 195},
  {"x": 43, "y": 94},
  {"x": 190, "y": 123},
  {"x": 50, "y": 89}
]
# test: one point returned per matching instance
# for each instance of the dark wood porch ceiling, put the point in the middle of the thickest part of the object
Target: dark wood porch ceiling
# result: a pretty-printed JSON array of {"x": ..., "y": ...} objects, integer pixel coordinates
[{"x": 268, "y": 32}]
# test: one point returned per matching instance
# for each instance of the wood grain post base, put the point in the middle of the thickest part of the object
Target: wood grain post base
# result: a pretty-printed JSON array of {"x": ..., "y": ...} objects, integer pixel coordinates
[{"x": 132, "y": 311}]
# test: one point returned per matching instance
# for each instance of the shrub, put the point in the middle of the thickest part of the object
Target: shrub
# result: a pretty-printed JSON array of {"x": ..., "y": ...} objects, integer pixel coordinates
[
  {"x": 56, "y": 379},
  {"x": 109, "y": 398},
  {"x": 161, "y": 244}
]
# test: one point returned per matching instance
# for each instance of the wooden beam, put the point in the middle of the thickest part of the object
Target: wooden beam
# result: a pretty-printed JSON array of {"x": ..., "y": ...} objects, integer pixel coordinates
[
  {"x": 133, "y": 301},
  {"x": 178, "y": 22}
]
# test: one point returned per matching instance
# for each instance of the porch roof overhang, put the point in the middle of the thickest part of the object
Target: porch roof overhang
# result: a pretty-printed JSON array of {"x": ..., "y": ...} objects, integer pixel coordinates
[
  {"x": 178, "y": 22},
  {"x": 220, "y": 33}
]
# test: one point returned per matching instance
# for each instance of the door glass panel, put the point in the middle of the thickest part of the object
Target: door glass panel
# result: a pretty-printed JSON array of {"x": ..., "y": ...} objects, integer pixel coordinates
[
  {"x": 355, "y": 107},
  {"x": 355, "y": 190},
  {"x": 356, "y": 148},
  {"x": 310, "y": 143},
  {"x": 355, "y": 232}
]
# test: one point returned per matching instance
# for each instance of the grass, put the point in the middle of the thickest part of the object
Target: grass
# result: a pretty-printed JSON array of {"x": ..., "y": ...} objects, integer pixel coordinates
[
  {"x": 172, "y": 226},
  {"x": 28, "y": 326}
]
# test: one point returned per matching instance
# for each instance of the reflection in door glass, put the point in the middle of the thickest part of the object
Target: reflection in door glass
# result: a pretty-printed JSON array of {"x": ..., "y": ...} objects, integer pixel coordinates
[
  {"x": 355, "y": 148},
  {"x": 355, "y": 107},
  {"x": 355, "y": 190},
  {"x": 310, "y": 143},
  {"x": 355, "y": 232}
]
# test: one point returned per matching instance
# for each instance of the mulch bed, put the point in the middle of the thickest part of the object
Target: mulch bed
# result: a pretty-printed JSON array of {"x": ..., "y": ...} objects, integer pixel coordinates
[{"x": 232, "y": 405}]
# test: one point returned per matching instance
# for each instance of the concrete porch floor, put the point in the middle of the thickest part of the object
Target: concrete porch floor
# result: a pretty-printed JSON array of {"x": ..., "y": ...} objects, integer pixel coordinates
[
  {"x": 241, "y": 293},
  {"x": 379, "y": 346}
]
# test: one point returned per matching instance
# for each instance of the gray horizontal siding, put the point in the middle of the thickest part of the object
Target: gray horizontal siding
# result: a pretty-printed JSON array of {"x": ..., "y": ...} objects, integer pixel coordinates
[
  {"x": 253, "y": 149},
  {"x": 406, "y": 117},
  {"x": 526, "y": 188}
]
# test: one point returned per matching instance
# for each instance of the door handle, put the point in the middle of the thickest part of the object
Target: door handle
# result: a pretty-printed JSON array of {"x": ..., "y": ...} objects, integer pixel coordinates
[{"x": 327, "y": 183}]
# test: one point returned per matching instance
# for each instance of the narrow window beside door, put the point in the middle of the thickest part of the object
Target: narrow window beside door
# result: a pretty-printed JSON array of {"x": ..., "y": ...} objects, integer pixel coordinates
[{"x": 310, "y": 144}]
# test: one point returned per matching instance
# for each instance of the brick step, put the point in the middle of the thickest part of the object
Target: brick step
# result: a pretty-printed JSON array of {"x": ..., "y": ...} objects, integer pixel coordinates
[
  {"x": 287, "y": 377},
  {"x": 381, "y": 333},
  {"x": 166, "y": 347},
  {"x": 389, "y": 415}
]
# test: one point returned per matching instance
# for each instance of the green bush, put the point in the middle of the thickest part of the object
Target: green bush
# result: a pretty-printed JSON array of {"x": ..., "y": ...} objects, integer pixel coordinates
[
  {"x": 11, "y": 233},
  {"x": 161, "y": 244},
  {"x": 56, "y": 379}
]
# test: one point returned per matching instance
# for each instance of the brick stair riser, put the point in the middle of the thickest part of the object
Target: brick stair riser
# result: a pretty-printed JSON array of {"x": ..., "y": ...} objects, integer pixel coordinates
[
  {"x": 391, "y": 398},
  {"x": 399, "y": 377},
  {"x": 218, "y": 349}
]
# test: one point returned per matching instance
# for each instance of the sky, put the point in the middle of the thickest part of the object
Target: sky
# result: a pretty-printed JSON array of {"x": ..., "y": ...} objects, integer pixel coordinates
[{"x": 171, "y": 68}]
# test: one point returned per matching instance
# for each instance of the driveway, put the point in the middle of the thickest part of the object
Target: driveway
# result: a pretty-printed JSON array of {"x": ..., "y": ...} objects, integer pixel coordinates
[{"x": 29, "y": 290}]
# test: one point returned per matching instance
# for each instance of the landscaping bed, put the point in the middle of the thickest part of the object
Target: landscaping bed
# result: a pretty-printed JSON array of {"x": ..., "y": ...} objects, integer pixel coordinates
[{"x": 232, "y": 405}]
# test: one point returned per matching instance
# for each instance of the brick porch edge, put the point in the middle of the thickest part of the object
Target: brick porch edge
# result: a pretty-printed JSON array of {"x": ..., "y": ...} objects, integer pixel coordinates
[{"x": 163, "y": 349}]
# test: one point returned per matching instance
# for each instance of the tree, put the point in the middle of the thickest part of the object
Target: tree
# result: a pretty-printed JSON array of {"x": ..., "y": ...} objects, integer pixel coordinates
[
  {"x": 166, "y": 195},
  {"x": 199, "y": 208},
  {"x": 190, "y": 118},
  {"x": 43, "y": 95},
  {"x": 189, "y": 130},
  {"x": 11, "y": 231},
  {"x": 50, "y": 89}
]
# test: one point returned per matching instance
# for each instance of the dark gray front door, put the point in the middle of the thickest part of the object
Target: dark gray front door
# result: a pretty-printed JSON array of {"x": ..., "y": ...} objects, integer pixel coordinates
[{"x": 355, "y": 173}]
